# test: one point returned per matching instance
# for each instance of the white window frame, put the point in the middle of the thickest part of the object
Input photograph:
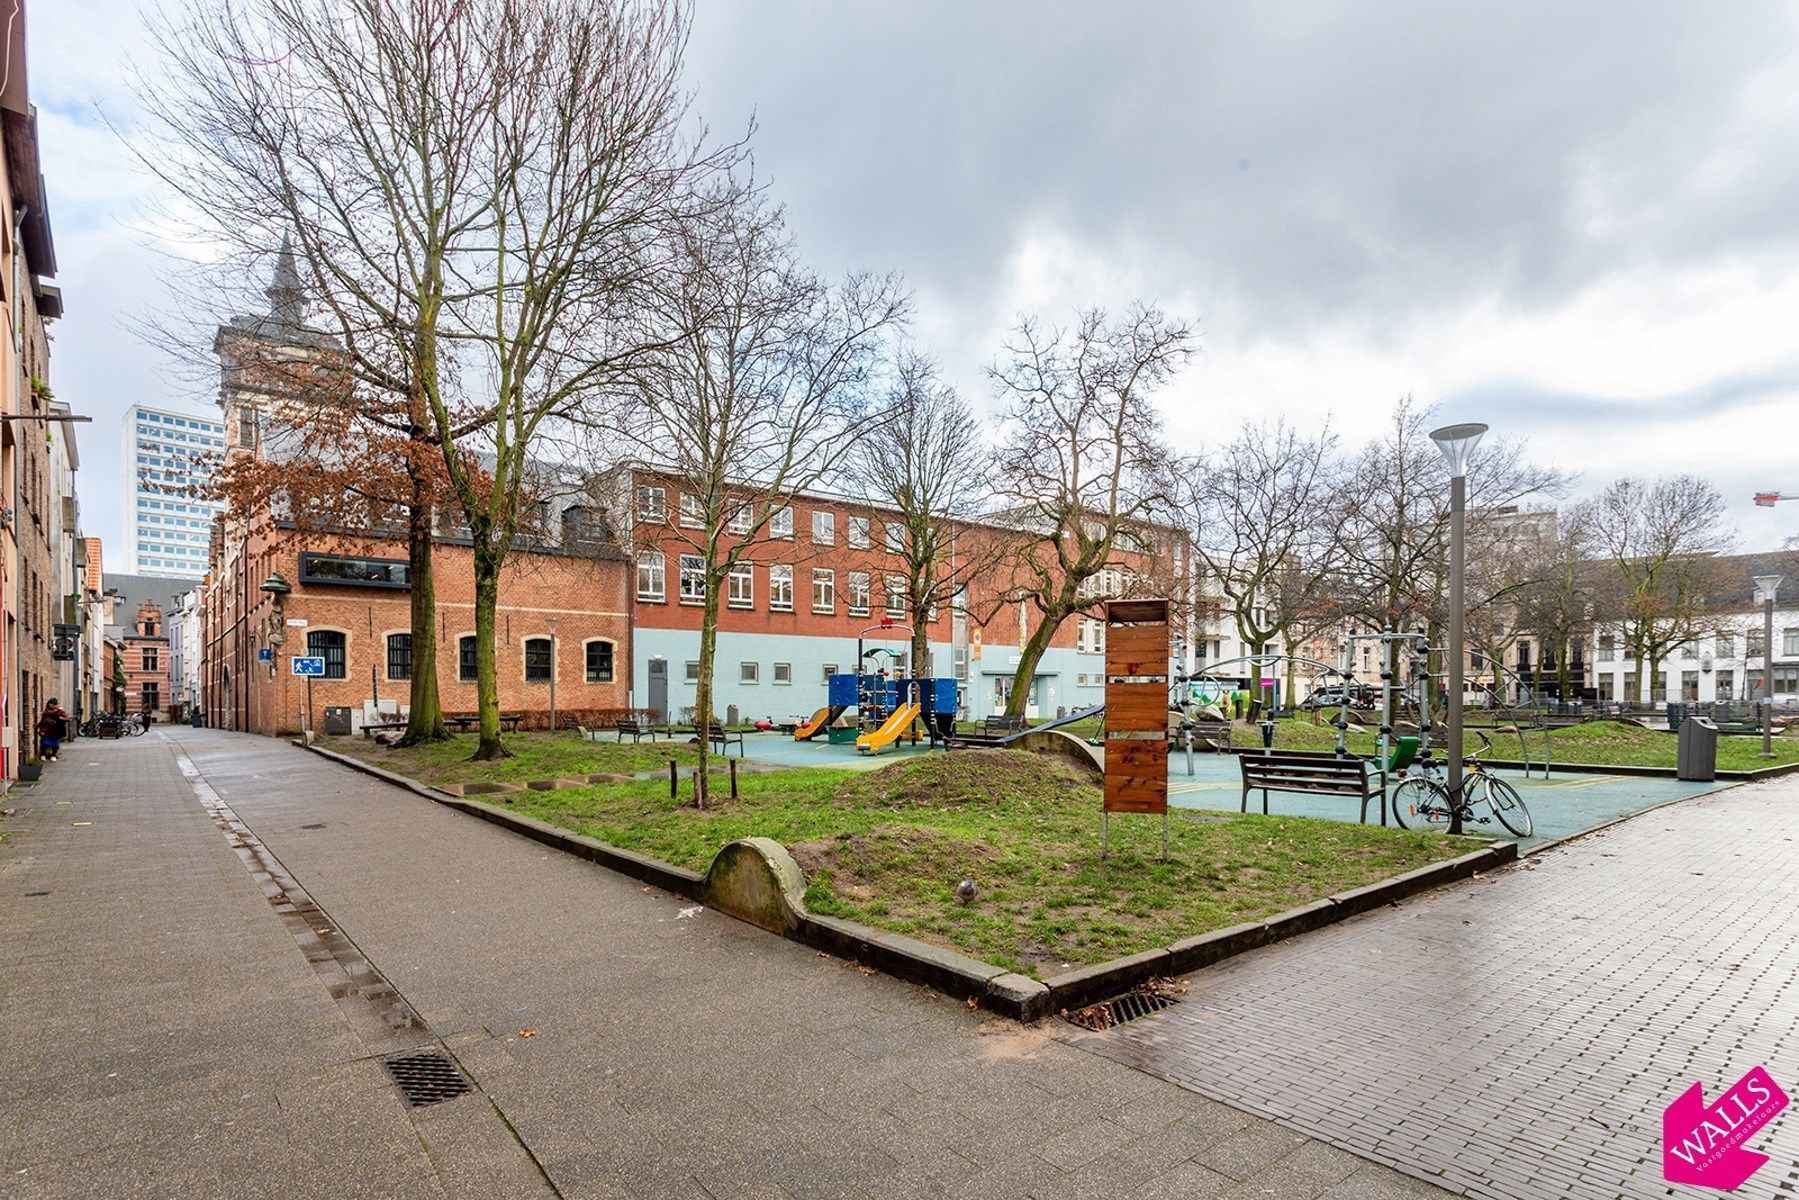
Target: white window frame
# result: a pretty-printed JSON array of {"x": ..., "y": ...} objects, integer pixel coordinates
[
  {"x": 740, "y": 586},
  {"x": 861, "y": 582},
  {"x": 692, "y": 516},
  {"x": 1789, "y": 641},
  {"x": 780, "y": 523},
  {"x": 655, "y": 512},
  {"x": 858, "y": 534},
  {"x": 655, "y": 562},
  {"x": 691, "y": 672},
  {"x": 895, "y": 537},
  {"x": 693, "y": 579},
  {"x": 780, "y": 587},
  {"x": 828, "y": 670},
  {"x": 824, "y": 578},
  {"x": 824, "y": 527},
  {"x": 749, "y": 673},
  {"x": 893, "y": 595},
  {"x": 782, "y": 674},
  {"x": 739, "y": 521}
]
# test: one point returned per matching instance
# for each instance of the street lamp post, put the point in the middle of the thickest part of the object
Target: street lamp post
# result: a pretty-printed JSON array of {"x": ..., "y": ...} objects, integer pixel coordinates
[
  {"x": 1457, "y": 443},
  {"x": 1766, "y": 586},
  {"x": 553, "y": 655}
]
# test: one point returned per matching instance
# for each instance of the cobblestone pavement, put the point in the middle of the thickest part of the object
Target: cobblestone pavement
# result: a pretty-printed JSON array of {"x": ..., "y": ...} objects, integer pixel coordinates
[
  {"x": 1519, "y": 1035},
  {"x": 202, "y": 977}
]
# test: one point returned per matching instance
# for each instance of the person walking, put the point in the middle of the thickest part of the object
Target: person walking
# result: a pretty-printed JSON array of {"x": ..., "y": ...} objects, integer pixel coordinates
[{"x": 52, "y": 728}]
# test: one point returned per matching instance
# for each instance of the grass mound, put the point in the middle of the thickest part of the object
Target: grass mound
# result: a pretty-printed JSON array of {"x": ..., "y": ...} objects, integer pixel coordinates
[{"x": 968, "y": 777}]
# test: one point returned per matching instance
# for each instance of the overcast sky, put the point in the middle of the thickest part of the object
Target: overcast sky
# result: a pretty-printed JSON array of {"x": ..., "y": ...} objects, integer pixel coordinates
[{"x": 1578, "y": 222}]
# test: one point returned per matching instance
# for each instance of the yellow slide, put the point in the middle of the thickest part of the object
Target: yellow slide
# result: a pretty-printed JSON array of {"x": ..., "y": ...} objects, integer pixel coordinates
[
  {"x": 810, "y": 729},
  {"x": 890, "y": 730}
]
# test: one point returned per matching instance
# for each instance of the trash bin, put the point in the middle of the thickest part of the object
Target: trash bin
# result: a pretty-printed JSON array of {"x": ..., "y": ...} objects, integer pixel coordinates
[
  {"x": 1697, "y": 754},
  {"x": 197, "y": 719},
  {"x": 1675, "y": 713},
  {"x": 337, "y": 720}
]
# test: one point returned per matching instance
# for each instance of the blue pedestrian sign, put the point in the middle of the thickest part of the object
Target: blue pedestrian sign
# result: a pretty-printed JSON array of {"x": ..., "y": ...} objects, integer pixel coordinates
[
  {"x": 264, "y": 654},
  {"x": 312, "y": 668}
]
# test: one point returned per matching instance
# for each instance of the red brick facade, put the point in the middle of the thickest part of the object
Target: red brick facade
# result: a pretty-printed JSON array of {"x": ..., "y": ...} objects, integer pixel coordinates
[{"x": 144, "y": 658}]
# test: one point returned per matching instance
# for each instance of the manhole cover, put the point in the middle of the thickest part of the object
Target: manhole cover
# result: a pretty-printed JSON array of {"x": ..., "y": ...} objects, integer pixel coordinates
[
  {"x": 427, "y": 1079},
  {"x": 1127, "y": 1007}
]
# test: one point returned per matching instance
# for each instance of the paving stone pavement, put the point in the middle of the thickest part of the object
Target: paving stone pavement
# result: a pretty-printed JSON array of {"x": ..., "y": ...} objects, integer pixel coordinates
[
  {"x": 1519, "y": 1035},
  {"x": 172, "y": 1030}
]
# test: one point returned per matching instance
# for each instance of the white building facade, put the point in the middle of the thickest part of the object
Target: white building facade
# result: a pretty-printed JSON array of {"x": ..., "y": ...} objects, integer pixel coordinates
[
  {"x": 1724, "y": 667},
  {"x": 168, "y": 517}
]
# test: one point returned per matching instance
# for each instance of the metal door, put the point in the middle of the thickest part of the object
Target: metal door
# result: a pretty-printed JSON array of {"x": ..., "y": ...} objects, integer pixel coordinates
[{"x": 659, "y": 688}]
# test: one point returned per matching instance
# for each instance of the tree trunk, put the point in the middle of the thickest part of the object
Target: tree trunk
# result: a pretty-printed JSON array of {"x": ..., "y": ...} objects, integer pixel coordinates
[
  {"x": 1028, "y": 658},
  {"x": 487, "y": 691},
  {"x": 702, "y": 696},
  {"x": 425, "y": 719}
]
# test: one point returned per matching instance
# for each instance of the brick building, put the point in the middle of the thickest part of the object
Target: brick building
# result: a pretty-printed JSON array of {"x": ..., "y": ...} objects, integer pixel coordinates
[{"x": 144, "y": 659}]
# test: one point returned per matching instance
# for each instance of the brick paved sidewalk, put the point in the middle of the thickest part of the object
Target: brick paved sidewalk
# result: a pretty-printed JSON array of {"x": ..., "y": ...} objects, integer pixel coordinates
[
  {"x": 1519, "y": 1036},
  {"x": 670, "y": 1053}
]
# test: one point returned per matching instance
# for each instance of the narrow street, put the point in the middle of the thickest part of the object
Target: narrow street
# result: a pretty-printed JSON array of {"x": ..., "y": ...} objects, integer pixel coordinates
[{"x": 216, "y": 940}]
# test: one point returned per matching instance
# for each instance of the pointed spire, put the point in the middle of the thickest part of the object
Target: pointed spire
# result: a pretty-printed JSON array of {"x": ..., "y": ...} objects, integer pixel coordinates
[{"x": 287, "y": 297}]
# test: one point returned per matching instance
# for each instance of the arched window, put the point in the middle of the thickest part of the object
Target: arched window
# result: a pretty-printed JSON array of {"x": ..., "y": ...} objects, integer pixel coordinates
[
  {"x": 399, "y": 656},
  {"x": 599, "y": 661},
  {"x": 538, "y": 660},
  {"x": 465, "y": 658},
  {"x": 329, "y": 645}
]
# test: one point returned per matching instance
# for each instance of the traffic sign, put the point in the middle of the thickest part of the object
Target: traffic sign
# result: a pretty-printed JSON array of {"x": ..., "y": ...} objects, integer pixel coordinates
[
  {"x": 264, "y": 654},
  {"x": 311, "y": 667}
]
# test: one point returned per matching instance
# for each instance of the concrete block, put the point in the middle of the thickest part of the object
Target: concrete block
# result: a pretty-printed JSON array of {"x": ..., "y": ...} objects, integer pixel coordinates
[{"x": 1019, "y": 997}]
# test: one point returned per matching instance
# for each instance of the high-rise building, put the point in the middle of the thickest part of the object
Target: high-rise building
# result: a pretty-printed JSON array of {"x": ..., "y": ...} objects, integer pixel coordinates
[{"x": 168, "y": 517}]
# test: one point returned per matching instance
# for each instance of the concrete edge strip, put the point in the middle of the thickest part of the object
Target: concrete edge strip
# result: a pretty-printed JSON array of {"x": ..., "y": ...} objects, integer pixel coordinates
[
  {"x": 958, "y": 975},
  {"x": 1639, "y": 772}
]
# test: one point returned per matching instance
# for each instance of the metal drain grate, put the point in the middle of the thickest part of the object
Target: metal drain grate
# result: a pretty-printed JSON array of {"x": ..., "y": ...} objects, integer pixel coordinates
[
  {"x": 427, "y": 1079},
  {"x": 1127, "y": 1007}
]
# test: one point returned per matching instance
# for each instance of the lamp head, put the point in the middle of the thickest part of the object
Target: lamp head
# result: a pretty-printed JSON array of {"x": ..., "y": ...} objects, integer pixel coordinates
[
  {"x": 276, "y": 586},
  {"x": 1766, "y": 499},
  {"x": 1457, "y": 443},
  {"x": 1766, "y": 586}
]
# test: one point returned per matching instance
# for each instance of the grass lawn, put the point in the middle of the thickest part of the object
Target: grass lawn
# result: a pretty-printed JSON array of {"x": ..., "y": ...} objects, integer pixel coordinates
[
  {"x": 534, "y": 756},
  {"x": 887, "y": 848}
]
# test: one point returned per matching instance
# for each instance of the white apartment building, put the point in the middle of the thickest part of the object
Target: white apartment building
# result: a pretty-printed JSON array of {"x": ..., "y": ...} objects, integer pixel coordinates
[{"x": 168, "y": 517}]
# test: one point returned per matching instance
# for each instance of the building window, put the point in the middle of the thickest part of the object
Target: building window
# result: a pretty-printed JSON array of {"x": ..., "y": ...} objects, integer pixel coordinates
[
  {"x": 692, "y": 516},
  {"x": 1789, "y": 641},
  {"x": 749, "y": 672},
  {"x": 1753, "y": 644},
  {"x": 652, "y": 576},
  {"x": 896, "y": 595},
  {"x": 739, "y": 523},
  {"x": 896, "y": 538},
  {"x": 741, "y": 586},
  {"x": 327, "y": 644},
  {"x": 858, "y": 533},
  {"x": 652, "y": 505},
  {"x": 1689, "y": 686},
  {"x": 466, "y": 668},
  {"x": 693, "y": 671},
  {"x": 1726, "y": 687},
  {"x": 780, "y": 588},
  {"x": 824, "y": 529},
  {"x": 1608, "y": 649},
  {"x": 859, "y": 588},
  {"x": 830, "y": 669},
  {"x": 341, "y": 571},
  {"x": 152, "y": 697},
  {"x": 537, "y": 660},
  {"x": 824, "y": 590},
  {"x": 780, "y": 522},
  {"x": 783, "y": 673},
  {"x": 599, "y": 662},
  {"x": 150, "y": 658},
  {"x": 1727, "y": 645},
  {"x": 399, "y": 656},
  {"x": 693, "y": 579}
]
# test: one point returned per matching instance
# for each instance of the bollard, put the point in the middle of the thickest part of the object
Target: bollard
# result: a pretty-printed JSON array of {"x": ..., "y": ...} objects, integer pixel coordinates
[
  {"x": 733, "y": 763},
  {"x": 1187, "y": 734},
  {"x": 674, "y": 781}
]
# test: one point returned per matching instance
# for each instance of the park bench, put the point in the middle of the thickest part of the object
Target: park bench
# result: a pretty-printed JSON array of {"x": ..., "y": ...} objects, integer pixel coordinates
[
  {"x": 718, "y": 735},
  {"x": 993, "y": 731},
  {"x": 1207, "y": 735},
  {"x": 1313, "y": 775},
  {"x": 636, "y": 730},
  {"x": 373, "y": 727}
]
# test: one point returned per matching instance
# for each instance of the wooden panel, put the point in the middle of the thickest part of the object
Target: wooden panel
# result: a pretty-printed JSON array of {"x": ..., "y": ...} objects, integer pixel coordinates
[
  {"x": 1137, "y": 650},
  {"x": 1136, "y": 777},
  {"x": 1136, "y": 707},
  {"x": 1137, "y": 610}
]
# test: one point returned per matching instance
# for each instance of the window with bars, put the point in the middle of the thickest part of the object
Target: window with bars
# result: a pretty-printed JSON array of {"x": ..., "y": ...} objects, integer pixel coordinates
[
  {"x": 328, "y": 644},
  {"x": 538, "y": 660},
  {"x": 399, "y": 656},
  {"x": 466, "y": 667},
  {"x": 599, "y": 662}
]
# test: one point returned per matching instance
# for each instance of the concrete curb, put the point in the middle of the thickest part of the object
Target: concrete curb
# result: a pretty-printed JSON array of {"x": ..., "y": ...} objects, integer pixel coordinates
[
  {"x": 1576, "y": 768},
  {"x": 946, "y": 971}
]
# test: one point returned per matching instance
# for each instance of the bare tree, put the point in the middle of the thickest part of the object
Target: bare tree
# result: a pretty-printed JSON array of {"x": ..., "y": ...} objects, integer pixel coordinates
[
  {"x": 926, "y": 461},
  {"x": 1083, "y": 470},
  {"x": 1661, "y": 539},
  {"x": 762, "y": 395},
  {"x": 1556, "y": 604},
  {"x": 1256, "y": 514}
]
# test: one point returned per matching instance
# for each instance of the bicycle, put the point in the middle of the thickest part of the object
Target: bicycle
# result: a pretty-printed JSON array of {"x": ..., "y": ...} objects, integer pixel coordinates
[{"x": 1422, "y": 799}]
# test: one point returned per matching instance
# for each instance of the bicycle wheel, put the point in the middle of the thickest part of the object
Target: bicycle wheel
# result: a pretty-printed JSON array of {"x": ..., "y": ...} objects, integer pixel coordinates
[
  {"x": 1419, "y": 804},
  {"x": 1507, "y": 805}
]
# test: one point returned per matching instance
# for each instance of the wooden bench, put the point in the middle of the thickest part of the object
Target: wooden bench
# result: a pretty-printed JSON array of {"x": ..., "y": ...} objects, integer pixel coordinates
[
  {"x": 718, "y": 735},
  {"x": 636, "y": 730},
  {"x": 508, "y": 721},
  {"x": 993, "y": 731},
  {"x": 1313, "y": 775},
  {"x": 1207, "y": 735},
  {"x": 374, "y": 727}
]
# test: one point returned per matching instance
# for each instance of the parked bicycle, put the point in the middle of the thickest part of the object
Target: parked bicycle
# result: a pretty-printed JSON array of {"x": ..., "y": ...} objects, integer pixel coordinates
[{"x": 1422, "y": 800}]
